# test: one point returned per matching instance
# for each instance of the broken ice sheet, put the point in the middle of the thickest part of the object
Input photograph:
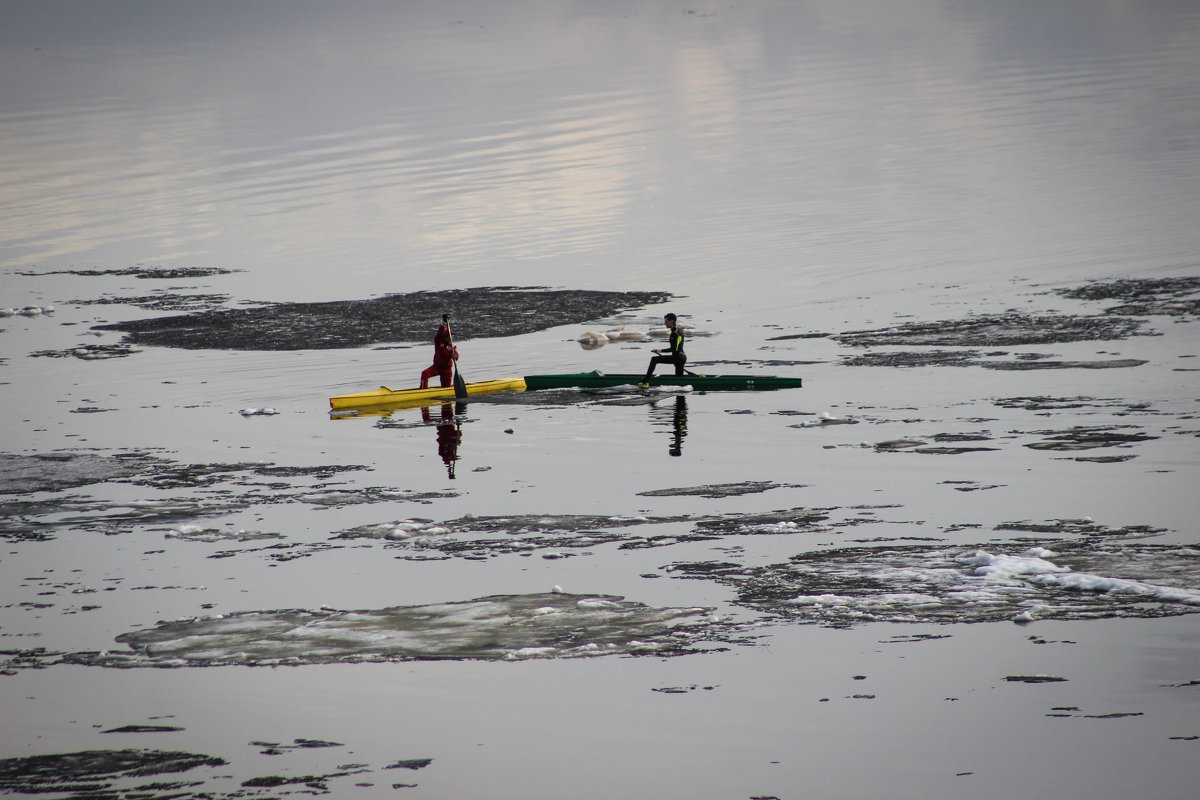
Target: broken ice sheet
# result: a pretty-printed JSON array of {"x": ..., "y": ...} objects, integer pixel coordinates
[
  {"x": 499, "y": 627},
  {"x": 989, "y": 583}
]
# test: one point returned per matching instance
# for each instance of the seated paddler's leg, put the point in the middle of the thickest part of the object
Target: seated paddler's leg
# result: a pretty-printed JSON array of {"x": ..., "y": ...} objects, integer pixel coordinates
[{"x": 654, "y": 362}]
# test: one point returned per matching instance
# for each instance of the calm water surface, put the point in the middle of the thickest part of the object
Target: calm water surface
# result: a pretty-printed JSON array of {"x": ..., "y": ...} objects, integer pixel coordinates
[{"x": 785, "y": 168}]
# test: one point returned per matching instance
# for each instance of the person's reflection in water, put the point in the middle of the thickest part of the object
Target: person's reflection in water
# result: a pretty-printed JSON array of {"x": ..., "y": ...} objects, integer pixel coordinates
[
  {"x": 449, "y": 433},
  {"x": 679, "y": 426}
]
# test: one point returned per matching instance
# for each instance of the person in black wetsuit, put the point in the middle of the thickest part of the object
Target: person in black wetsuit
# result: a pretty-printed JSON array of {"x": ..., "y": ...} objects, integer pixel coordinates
[{"x": 674, "y": 354}]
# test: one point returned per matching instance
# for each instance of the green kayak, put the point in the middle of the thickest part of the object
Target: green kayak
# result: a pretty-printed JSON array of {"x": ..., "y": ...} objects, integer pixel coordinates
[{"x": 701, "y": 383}]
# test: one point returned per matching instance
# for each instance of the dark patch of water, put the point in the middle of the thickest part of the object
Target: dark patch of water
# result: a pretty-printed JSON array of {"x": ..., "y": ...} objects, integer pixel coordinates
[
  {"x": 484, "y": 312},
  {"x": 718, "y": 490},
  {"x": 89, "y": 352},
  {"x": 118, "y": 774},
  {"x": 1044, "y": 403},
  {"x": 1116, "y": 363},
  {"x": 277, "y": 748},
  {"x": 933, "y": 358},
  {"x": 1169, "y": 296},
  {"x": 46, "y": 774},
  {"x": 1088, "y": 438},
  {"x": 1142, "y": 297},
  {"x": 995, "y": 330},
  {"x": 152, "y": 273},
  {"x": 145, "y": 729},
  {"x": 1079, "y": 527}
]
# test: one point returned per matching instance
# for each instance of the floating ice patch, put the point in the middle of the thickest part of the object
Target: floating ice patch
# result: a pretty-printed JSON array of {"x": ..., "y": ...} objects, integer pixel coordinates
[
  {"x": 486, "y": 537},
  {"x": 196, "y": 533},
  {"x": 825, "y": 418},
  {"x": 688, "y": 332},
  {"x": 995, "y": 330},
  {"x": 592, "y": 340},
  {"x": 163, "y": 301},
  {"x": 1077, "y": 580},
  {"x": 1006, "y": 568},
  {"x": 26, "y": 311},
  {"x": 1083, "y": 582},
  {"x": 47, "y": 472},
  {"x": 350, "y": 497},
  {"x": 500, "y": 627},
  {"x": 626, "y": 335}
]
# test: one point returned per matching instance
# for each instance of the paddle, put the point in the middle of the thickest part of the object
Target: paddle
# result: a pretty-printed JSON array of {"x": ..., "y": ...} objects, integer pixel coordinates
[{"x": 460, "y": 386}]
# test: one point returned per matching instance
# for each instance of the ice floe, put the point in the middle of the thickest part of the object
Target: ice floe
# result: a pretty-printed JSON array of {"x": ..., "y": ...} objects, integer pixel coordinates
[
  {"x": 198, "y": 533},
  {"x": 1076, "y": 580},
  {"x": 551, "y": 624},
  {"x": 592, "y": 340},
  {"x": 26, "y": 311}
]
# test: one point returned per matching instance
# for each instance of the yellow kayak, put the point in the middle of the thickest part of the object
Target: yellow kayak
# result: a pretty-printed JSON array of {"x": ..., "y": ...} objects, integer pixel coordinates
[{"x": 396, "y": 397}]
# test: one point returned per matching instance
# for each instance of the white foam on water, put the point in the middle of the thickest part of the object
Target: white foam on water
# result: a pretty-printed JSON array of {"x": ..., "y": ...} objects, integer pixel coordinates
[
  {"x": 1006, "y": 568},
  {"x": 1084, "y": 582},
  {"x": 920, "y": 584}
]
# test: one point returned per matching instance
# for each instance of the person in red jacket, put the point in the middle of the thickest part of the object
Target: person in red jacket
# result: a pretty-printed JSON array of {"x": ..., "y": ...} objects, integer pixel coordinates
[{"x": 444, "y": 355}]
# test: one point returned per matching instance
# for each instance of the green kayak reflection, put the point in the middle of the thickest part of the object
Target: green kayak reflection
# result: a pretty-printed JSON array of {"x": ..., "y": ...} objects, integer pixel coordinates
[{"x": 678, "y": 422}]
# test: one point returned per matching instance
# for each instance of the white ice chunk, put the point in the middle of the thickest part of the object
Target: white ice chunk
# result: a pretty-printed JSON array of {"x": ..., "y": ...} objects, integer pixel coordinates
[
  {"x": 820, "y": 600},
  {"x": 590, "y": 604}
]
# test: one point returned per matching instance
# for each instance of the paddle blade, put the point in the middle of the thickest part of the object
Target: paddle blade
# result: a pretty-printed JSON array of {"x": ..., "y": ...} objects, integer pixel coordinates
[{"x": 460, "y": 386}]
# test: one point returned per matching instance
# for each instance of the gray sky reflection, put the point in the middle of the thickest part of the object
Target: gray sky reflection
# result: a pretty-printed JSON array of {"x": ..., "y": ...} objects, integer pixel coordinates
[{"x": 465, "y": 137}]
